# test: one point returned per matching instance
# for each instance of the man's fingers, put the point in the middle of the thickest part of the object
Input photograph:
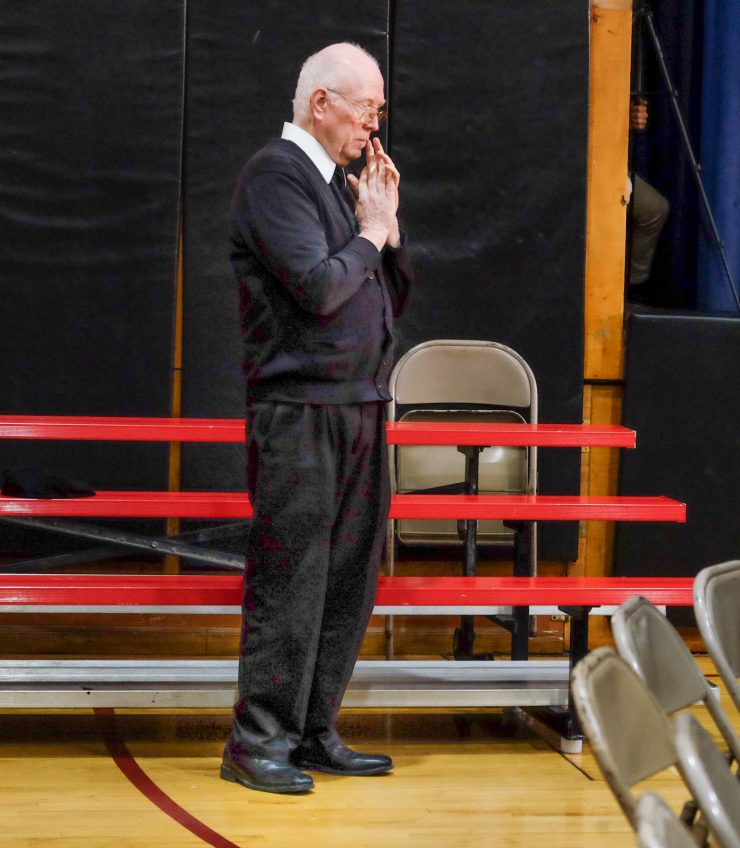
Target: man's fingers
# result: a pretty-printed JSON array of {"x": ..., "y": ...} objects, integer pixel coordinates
[
  {"x": 381, "y": 154},
  {"x": 390, "y": 176},
  {"x": 354, "y": 184},
  {"x": 384, "y": 157},
  {"x": 370, "y": 157},
  {"x": 394, "y": 173}
]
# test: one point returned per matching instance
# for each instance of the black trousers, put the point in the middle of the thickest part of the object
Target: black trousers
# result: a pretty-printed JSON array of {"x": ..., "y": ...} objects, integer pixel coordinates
[{"x": 318, "y": 478}]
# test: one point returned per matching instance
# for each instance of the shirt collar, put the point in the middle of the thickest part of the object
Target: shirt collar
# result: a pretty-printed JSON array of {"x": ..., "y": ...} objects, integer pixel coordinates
[{"x": 312, "y": 148}]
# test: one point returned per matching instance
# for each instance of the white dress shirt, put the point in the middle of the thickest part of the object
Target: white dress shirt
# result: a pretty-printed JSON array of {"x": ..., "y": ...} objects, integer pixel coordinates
[{"x": 312, "y": 148}]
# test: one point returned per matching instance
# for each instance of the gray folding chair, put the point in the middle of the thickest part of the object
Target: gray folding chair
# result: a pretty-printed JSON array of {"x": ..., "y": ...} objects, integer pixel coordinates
[
  {"x": 658, "y": 826},
  {"x": 649, "y": 643},
  {"x": 712, "y": 784},
  {"x": 460, "y": 380},
  {"x": 626, "y": 727},
  {"x": 717, "y": 610}
]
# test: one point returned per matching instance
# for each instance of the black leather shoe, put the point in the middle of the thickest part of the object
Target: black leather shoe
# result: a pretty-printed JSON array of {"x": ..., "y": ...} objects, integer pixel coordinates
[
  {"x": 337, "y": 758},
  {"x": 266, "y": 775}
]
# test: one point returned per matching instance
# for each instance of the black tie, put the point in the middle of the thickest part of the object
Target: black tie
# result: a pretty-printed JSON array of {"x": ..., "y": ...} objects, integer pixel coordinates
[
  {"x": 339, "y": 179},
  {"x": 347, "y": 198}
]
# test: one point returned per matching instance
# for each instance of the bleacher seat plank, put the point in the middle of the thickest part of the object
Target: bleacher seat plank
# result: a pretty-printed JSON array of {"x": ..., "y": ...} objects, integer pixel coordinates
[
  {"x": 233, "y": 430},
  {"x": 176, "y": 591},
  {"x": 101, "y": 428},
  {"x": 538, "y": 507},
  {"x": 509, "y": 434},
  {"x": 127, "y": 504}
]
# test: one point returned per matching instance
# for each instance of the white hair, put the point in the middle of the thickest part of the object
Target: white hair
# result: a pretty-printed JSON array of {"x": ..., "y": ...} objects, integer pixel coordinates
[{"x": 324, "y": 69}]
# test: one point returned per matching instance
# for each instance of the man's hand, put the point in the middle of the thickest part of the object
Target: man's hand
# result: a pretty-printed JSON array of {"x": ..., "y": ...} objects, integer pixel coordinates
[
  {"x": 381, "y": 178},
  {"x": 638, "y": 115}
]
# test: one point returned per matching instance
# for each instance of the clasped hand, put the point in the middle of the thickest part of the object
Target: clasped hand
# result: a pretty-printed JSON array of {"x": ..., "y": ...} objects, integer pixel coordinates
[{"x": 376, "y": 191}]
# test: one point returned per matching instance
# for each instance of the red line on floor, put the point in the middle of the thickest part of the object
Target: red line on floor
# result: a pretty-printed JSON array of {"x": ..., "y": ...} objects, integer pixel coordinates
[{"x": 137, "y": 776}]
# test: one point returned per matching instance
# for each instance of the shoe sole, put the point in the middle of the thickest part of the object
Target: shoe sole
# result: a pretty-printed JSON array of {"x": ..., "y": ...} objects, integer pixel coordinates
[
  {"x": 306, "y": 766},
  {"x": 279, "y": 789}
]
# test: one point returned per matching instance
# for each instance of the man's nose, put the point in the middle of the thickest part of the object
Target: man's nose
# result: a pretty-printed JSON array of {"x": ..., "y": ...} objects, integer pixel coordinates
[{"x": 371, "y": 122}]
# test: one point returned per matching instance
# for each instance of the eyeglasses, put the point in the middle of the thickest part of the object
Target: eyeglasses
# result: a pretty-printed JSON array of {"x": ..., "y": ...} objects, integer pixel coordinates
[{"x": 369, "y": 114}]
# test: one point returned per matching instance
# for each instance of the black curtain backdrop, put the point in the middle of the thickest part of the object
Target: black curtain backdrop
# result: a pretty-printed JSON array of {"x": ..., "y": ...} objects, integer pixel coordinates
[
  {"x": 489, "y": 119},
  {"x": 659, "y": 153},
  {"x": 488, "y": 126},
  {"x": 90, "y": 163}
]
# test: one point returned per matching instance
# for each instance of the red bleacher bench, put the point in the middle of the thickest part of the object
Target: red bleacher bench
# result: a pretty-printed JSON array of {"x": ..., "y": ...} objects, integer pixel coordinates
[
  {"x": 223, "y": 505},
  {"x": 537, "y": 686},
  {"x": 236, "y": 505},
  {"x": 232, "y": 430},
  {"x": 211, "y": 682},
  {"x": 222, "y": 592}
]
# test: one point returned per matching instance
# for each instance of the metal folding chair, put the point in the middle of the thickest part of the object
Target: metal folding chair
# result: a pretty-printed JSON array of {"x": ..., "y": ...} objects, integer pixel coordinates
[
  {"x": 629, "y": 733},
  {"x": 462, "y": 380},
  {"x": 712, "y": 784},
  {"x": 649, "y": 643},
  {"x": 658, "y": 826},
  {"x": 717, "y": 610}
]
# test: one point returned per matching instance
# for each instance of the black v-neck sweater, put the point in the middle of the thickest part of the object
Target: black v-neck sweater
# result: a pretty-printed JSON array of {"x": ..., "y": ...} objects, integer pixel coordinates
[{"x": 316, "y": 299}]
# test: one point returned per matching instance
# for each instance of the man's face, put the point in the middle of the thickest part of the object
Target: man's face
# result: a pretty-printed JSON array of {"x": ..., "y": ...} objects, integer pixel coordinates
[{"x": 346, "y": 124}]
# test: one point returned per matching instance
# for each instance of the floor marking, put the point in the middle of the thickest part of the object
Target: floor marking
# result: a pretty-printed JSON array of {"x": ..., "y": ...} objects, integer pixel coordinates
[
  {"x": 122, "y": 757},
  {"x": 582, "y": 770}
]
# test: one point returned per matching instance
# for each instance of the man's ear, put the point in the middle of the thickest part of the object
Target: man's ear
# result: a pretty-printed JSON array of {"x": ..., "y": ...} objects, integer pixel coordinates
[{"x": 319, "y": 102}]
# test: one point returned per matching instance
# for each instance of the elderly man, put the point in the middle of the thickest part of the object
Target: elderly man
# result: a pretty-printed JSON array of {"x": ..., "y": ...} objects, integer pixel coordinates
[{"x": 322, "y": 270}]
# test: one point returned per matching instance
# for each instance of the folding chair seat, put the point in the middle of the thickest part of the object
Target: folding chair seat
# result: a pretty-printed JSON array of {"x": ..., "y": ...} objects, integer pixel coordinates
[
  {"x": 712, "y": 784},
  {"x": 717, "y": 610},
  {"x": 658, "y": 826}
]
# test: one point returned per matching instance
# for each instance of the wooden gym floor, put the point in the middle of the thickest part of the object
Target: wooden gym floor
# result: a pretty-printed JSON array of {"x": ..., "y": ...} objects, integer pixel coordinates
[{"x": 469, "y": 778}]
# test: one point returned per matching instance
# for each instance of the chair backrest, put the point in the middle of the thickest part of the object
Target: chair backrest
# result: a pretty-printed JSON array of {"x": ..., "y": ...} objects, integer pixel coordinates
[
  {"x": 658, "y": 826},
  {"x": 714, "y": 787},
  {"x": 628, "y": 731},
  {"x": 717, "y": 610},
  {"x": 463, "y": 371},
  {"x": 461, "y": 380},
  {"x": 649, "y": 643}
]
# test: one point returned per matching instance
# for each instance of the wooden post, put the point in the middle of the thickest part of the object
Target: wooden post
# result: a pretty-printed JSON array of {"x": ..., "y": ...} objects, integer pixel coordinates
[
  {"x": 171, "y": 562},
  {"x": 609, "y": 90},
  {"x": 608, "y": 137}
]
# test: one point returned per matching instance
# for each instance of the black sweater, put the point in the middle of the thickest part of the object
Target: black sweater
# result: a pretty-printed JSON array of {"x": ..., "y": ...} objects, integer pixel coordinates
[{"x": 316, "y": 299}]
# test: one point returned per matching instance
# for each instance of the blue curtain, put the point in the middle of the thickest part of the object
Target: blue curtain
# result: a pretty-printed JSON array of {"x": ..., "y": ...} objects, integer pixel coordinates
[{"x": 720, "y": 153}]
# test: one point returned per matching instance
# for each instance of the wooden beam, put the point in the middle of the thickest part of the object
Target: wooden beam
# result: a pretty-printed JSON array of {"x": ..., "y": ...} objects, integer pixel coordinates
[{"x": 609, "y": 88}]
